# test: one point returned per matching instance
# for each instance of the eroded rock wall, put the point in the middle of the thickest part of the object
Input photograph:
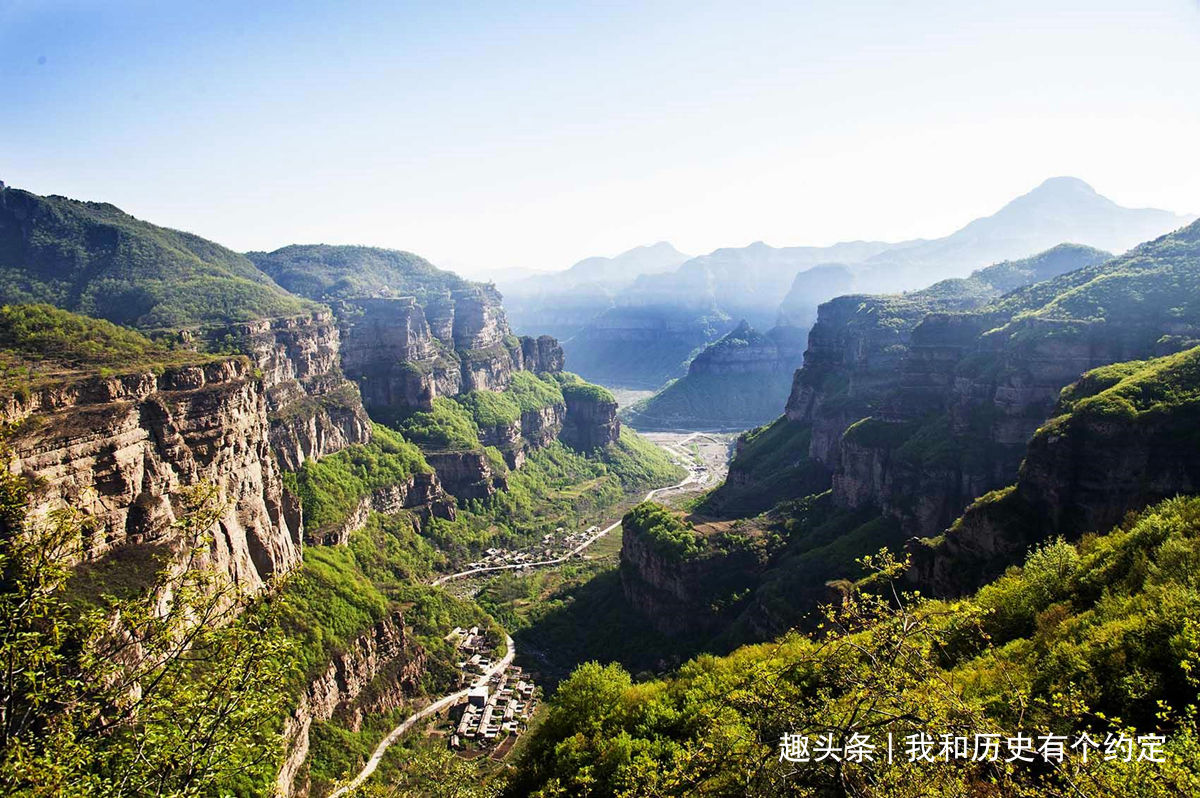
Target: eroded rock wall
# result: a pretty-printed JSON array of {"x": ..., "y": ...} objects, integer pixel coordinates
[
  {"x": 421, "y": 493},
  {"x": 589, "y": 423},
  {"x": 314, "y": 410},
  {"x": 119, "y": 449}
]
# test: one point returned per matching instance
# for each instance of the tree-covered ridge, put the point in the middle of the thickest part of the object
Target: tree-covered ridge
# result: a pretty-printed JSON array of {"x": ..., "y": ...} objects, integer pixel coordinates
[
  {"x": 41, "y": 342},
  {"x": 1160, "y": 386},
  {"x": 326, "y": 272},
  {"x": 1158, "y": 280},
  {"x": 666, "y": 532},
  {"x": 1097, "y": 637},
  {"x": 988, "y": 283},
  {"x": 448, "y": 426},
  {"x": 575, "y": 387},
  {"x": 525, "y": 392},
  {"x": 95, "y": 259},
  {"x": 1001, "y": 278}
]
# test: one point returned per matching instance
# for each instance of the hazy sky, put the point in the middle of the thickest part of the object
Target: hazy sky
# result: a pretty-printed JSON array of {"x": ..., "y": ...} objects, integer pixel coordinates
[{"x": 487, "y": 135}]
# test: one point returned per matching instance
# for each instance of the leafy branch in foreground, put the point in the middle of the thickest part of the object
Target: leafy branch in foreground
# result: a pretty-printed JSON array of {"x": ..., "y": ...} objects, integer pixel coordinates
[{"x": 171, "y": 689}]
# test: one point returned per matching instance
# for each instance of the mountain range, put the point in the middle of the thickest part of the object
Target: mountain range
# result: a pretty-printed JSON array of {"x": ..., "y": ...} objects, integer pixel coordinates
[{"x": 677, "y": 312}]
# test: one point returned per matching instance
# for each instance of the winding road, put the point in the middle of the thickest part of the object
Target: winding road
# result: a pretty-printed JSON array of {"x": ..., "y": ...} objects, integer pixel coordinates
[
  {"x": 432, "y": 709},
  {"x": 449, "y": 700},
  {"x": 692, "y": 476}
]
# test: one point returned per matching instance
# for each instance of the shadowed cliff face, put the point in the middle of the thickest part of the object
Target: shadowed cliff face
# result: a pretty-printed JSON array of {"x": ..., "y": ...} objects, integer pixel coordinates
[
  {"x": 118, "y": 449},
  {"x": 683, "y": 594},
  {"x": 590, "y": 423},
  {"x": 1121, "y": 438}
]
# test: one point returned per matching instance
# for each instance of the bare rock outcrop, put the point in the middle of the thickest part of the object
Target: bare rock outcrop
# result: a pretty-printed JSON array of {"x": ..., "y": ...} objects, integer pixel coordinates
[
  {"x": 120, "y": 448},
  {"x": 314, "y": 410},
  {"x": 467, "y": 474},
  {"x": 591, "y": 420},
  {"x": 421, "y": 493}
]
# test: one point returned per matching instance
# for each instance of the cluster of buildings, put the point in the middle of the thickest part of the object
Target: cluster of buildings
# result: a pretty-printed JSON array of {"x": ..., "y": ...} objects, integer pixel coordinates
[
  {"x": 495, "y": 710},
  {"x": 552, "y": 546},
  {"x": 476, "y": 652},
  {"x": 492, "y": 711}
]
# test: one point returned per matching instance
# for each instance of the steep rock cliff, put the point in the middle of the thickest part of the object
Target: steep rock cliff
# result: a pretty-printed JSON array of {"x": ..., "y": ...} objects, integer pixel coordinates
[
  {"x": 119, "y": 449},
  {"x": 314, "y": 410},
  {"x": 541, "y": 355},
  {"x": 1122, "y": 437},
  {"x": 972, "y": 387},
  {"x": 467, "y": 475},
  {"x": 591, "y": 417},
  {"x": 403, "y": 355},
  {"x": 682, "y": 594}
]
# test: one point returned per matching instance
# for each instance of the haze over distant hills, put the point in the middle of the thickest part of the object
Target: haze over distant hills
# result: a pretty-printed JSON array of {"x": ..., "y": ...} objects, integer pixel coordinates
[
  {"x": 1062, "y": 209},
  {"x": 560, "y": 302},
  {"x": 644, "y": 335}
]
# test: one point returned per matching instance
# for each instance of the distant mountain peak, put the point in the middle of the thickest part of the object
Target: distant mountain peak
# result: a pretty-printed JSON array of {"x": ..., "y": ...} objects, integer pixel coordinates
[
  {"x": 1064, "y": 184},
  {"x": 742, "y": 329}
]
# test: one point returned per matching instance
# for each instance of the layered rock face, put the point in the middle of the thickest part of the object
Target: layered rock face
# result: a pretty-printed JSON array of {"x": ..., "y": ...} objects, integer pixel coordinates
[
  {"x": 961, "y": 415},
  {"x": 952, "y": 387},
  {"x": 680, "y": 597},
  {"x": 403, "y": 355},
  {"x": 314, "y": 410},
  {"x": 536, "y": 429},
  {"x": 421, "y": 493},
  {"x": 1122, "y": 438},
  {"x": 390, "y": 351},
  {"x": 119, "y": 449},
  {"x": 541, "y": 355},
  {"x": 590, "y": 422},
  {"x": 854, "y": 353},
  {"x": 374, "y": 675},
  {"x": 468, "y": 475}
]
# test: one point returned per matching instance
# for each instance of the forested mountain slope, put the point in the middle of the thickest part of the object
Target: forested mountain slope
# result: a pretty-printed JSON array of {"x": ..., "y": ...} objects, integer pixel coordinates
[
  {"x": 905, "y": 412},
  {"x": 93, "y": 258}
]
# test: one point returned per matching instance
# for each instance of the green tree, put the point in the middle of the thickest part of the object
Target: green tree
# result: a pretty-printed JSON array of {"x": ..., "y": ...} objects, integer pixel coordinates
[{"x": 171, "y": 688}]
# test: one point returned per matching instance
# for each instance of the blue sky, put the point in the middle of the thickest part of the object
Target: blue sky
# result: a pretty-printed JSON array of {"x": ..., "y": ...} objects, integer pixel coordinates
[{"x": 493, "y": 135}]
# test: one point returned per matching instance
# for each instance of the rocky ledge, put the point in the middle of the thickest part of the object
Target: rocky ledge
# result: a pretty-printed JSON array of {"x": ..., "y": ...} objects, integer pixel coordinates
[
  {"x": 119, "y": 449},
  {"x": 421, "y": 493}
]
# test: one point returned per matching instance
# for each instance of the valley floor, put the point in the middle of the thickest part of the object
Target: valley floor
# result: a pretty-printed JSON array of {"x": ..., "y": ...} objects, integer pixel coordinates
[
  {"x": 527, "y": 593},
  {"x": 705, "y": 454}
]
